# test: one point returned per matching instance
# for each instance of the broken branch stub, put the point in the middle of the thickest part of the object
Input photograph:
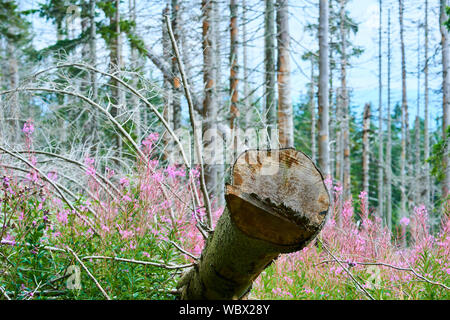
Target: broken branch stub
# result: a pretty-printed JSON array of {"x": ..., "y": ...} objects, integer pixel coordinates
[{"x": 277, "y": 203}]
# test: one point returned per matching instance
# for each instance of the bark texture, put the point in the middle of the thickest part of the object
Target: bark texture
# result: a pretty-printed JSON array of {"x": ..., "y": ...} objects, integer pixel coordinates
[
  {"x": 285, "y": 112},
  {"x": 277, "y": 203},
  {"x": 366, "y": 151},
  {"x": 445, "y": 95},
  {"x": 269, "y": 67},
  {"x": 324, "y": 148}
]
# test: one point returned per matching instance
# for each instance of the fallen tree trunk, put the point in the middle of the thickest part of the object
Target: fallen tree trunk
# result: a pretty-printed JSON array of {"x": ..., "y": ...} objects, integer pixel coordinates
[{"x": 277, "y": 203}]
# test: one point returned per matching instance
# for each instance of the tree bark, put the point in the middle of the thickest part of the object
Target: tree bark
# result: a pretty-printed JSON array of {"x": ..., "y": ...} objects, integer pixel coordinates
[
  {"x": 277, "y": 203},
  {"x": 169, "y": 111},
  {"x": 313, "y": 112},
  {"x": 234, "y": 71},
  {"x": 269, "y": 68},
  {"x": 209, "y": 114},
  {"x": 417, "y": 150},
  {"x": 445, "y": 95},
  {"x": 176, "y": 84},
  {"x": 426, "y": 138},
  {"x": 380, "y": 117},
  {"x": 285, "y": 112},
  {"x": 405, "y": 127},
  {"x": 366, "y": 151},
  {"x": 344, "y": 105},
  {"x": 324, "y": 148},
  {"x": 389, "y": 137}
]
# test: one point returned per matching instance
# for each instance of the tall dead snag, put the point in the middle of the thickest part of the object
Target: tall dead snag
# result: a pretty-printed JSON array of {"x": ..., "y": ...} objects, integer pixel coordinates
[
  {"x": 285, "y": 112},
  {"x": 209, "y": 111},
  {"x": 405, "y": 126},
  {"x": 269, "y": 68},
  {"x": 445, "y": 94},
  {"x": 176, "y": 98},
  {"x": 366, "y": 145},
  {"x": 277, "y": 203},
  {"x": 234, "y": 70},
  {"x": 324, "y": 147}
]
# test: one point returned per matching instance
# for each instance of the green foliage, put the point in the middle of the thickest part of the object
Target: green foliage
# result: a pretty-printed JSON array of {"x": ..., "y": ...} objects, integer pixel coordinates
[
  {"x": 437, "y": 156},
  {"x": 30, "y": 269}
]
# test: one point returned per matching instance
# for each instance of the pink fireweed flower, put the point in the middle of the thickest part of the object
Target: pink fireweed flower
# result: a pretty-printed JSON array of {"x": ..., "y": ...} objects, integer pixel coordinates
[
  {"x": 173, "y": 172},
  {"x": 28, "y": 128},
  {"x": 52, "y": 175},
  {"x": 363, "y": 195},
  {"x": 124, "y": 182},
  {"x": 328, "y": 182},
  {"x": 9, "y": 240},
  {"x": 126, "y": 234},
  {"x": 157, "y": 177},
  {"x": 404, "y": 221},
  {"x": 91, "y": 171},
  {"x": 62, "y": 217},
  {"x": 126, "y": 198}
]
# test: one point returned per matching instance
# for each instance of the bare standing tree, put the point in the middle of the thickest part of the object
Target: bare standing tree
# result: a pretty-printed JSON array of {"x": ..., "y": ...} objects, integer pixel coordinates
[
  {"x": 388, "y": 216},
  {"x": 380, "y": 114},
  {"x": 344, "y": 104},
  {"x": 269, "y": 66},
  {"x": 324, "y": 147},
  {"x": 313, "y": 112},
  {"x": 209, "y": 111},
  {"x": 285, "y": 111},
  {"x": 234, "y": 69},
  {"x": 445, "y": 94},
  {"x": 405, "y": 127},
  {"x": 366, "y": 151},
  {"x": 426, "y": 138},
  {"x": 176, "y": 84}
]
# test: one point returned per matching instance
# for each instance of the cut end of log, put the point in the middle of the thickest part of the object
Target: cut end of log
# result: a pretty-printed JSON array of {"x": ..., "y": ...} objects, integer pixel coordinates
[{"x": 278, "y": 196}]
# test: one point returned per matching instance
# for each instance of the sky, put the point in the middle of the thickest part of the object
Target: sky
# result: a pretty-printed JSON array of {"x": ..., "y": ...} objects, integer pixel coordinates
[{"x": 363, "y": 72}]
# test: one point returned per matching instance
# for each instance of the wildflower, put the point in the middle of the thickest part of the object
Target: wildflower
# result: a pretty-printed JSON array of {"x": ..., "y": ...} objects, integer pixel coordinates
[
  {"x": 126, "y": 234},
  {"x": 173, "y": 172},
  {"x": 52, "y": 175},
  {"x": 157, "y": 177},
  {"x": 126, "y": 198},
  {"x": 62, "y": 217},
  {"x": 124, "y": 182},
  {"x": 28, "y": 128},
  {"x": 363, "y": 195},
  {"x": 404, "y": 221},
  {"x": 328, "y": 182},
  {"x": 91, "y": 171},
  {"x": 288, "y": 280},
  {"x": 9, "y": 240}
]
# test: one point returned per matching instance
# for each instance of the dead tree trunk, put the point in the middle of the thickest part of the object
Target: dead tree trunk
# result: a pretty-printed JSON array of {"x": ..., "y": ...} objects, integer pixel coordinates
[
  {"x": 389, "y": 135},
  {"x": 209, "y": 111},
  {"x": 324, "y": 147},
  {"x": 176, "y": 96},
  {"x": 405, "y": 127},
  {"x": 285, "y": 112},
  {"x": 426, "y": 138},
  {"x": 366, "y": 158},
  {"x": 380, "y": 115},
  {"x": 269, "y": 69},
  {"x": 445, "y": 94},
  {"x": 277, "y": 203}
]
